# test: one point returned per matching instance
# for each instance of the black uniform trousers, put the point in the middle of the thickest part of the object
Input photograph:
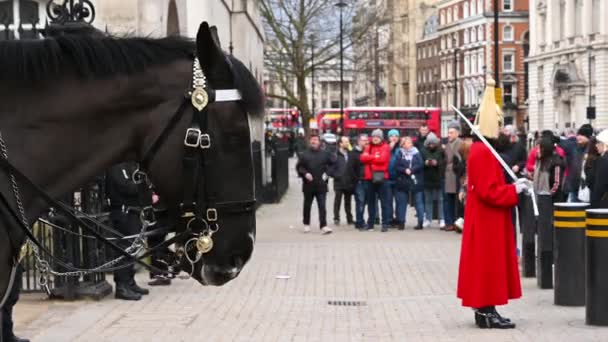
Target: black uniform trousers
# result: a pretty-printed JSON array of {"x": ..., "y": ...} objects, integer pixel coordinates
[
  {"x": 127, "y": 224},
  {"x": 157, "y": 257},
  {"x": 7, "y": 308},
  {"x": 347, "y": 194},
  {"x": 321, "y": 199}
]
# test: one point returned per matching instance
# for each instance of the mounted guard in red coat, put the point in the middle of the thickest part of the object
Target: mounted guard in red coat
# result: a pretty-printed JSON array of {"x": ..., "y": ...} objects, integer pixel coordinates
[{"x": 488, "y": 274}]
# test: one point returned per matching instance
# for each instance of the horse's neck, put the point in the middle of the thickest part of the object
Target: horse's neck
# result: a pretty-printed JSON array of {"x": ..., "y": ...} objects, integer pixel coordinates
[{"x": 70, "y": 134}]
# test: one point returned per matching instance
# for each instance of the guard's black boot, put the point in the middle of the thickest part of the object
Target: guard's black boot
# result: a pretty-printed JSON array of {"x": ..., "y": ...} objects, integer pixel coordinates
[
  {"x": 488, "y": 318},
  {"x": 504, "y": 319},
  {"x": 137, "y": 289},
  {"x": 124, "y": 292}
]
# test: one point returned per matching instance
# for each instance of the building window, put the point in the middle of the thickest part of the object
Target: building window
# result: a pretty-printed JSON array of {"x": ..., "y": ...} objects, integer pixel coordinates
[
  {"x": 508, "y": 96},
  {"x": 480, "y": 63},
  {"x": 508, "y": 62},
  {"x": 456, "y": 13},
  {"x": 442, "y": 18},
  {"x": 465, "y": 11},
  {"x": 473, "y": 33},
  {"x": 473, "y": 64},
  {"x": 473, "y": 8},
  {"x": 507, "y": 5},
  {"x": 507, "y": 33},
  {"x": 480, "y": 34},
  {"x": 449, "y": 15},
  {"x": 466, "y": 66},
  {"x": 480, "y": 6},
  {"x": 465, "y": 32}
]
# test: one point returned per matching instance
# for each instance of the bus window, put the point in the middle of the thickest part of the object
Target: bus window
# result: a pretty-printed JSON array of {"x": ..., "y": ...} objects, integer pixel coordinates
[{"x": 387, "y": 115}]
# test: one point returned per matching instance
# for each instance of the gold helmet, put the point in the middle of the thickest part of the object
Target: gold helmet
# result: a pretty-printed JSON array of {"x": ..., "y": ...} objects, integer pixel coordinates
[{"x": 489, "y": 118}]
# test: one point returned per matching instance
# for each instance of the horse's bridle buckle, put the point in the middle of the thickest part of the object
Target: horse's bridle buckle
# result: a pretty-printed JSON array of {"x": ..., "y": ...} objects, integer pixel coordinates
[
  {"x": 212, "y": 215},
  {"x": 205, "y": 141},
  {"x": 193, "y": 137}
]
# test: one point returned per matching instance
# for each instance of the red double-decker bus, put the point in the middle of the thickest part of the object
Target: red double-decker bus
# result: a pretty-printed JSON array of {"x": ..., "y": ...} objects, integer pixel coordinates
[
  {"x": 283, "y": 118},
  {"x": 328, "y": 120},
  {"x": 406, "y": 120}
]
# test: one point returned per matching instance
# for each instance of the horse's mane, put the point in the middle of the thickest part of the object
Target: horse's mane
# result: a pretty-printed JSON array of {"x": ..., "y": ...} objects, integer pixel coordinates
[
  {"x": 86, "y": 56},
  {"x": 97, "y": 57}
]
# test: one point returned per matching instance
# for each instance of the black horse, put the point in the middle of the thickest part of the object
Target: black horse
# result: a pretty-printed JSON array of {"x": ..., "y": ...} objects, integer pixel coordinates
[{"x": 73, "y": 105}]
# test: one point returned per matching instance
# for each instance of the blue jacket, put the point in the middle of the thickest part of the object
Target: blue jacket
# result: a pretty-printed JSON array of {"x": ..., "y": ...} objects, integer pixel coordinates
[
  {"x": 409, "y": 159},
  {"x": 392, "y": 170}
]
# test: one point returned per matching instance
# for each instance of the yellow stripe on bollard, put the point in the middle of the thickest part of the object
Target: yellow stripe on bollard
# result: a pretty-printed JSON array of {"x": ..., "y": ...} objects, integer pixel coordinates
[
  {"x": 597, "y": 222},
  {"x": 597, "y": 233},
  {"x": 569, "y": 224},
  {"x": 559, "y": 213}
]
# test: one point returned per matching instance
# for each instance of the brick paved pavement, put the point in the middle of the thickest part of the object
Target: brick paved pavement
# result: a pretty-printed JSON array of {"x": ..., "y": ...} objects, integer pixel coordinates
[{"x": 406, "y": 279}]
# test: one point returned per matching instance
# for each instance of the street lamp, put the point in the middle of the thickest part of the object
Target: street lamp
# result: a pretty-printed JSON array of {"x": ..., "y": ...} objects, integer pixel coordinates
[
  {"x": 312, "y": 67},
  {"x": 454, "y": 42},
  {"x": 341, "y": 4}
]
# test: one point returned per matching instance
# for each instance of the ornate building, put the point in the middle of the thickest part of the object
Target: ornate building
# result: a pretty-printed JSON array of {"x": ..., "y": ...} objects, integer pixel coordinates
[
  {"x": 406, "y": 19},
  {"x": 568, "y": 63},
  {"x": 427, "y": 66},
  {"x": 466, "y": 31}
]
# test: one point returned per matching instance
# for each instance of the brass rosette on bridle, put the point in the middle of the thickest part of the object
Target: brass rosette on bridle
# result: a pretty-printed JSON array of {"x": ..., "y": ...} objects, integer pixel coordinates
[{"x": 200, "y": 97}]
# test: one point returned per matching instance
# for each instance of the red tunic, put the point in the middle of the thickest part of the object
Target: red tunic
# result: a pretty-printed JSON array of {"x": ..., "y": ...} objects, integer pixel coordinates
[{"x": 488, "y": 273}]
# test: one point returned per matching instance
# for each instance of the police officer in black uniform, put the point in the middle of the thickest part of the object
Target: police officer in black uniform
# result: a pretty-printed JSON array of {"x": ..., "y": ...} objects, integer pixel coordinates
[{"x": 125, "y": 209}]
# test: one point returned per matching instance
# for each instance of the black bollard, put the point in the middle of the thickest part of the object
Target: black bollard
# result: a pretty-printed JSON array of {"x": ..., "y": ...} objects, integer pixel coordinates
[
  {"x": 596, "y": 268},
  {"x": 544, "y": 261},
  {"x": 527, "y": 223},
  {"x": 569, "y": 248}
]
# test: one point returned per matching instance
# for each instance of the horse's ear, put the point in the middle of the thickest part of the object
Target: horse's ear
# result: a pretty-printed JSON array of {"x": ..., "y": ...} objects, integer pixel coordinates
[
  {"x": 208, "y": 51},
  {"x": 215, "y": 36}
]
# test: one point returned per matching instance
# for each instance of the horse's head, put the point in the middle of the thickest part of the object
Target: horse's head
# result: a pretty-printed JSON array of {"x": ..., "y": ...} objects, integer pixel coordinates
[{"x": 225, "y": 178}]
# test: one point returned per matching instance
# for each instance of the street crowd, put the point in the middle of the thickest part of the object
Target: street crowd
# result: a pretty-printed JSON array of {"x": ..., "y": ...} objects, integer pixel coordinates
[{"x": 429, "y": 174}]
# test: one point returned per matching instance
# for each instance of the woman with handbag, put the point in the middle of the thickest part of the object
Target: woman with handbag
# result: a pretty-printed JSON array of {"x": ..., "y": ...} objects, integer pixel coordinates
[
  {"x": 375, "y": 159},
  {"x": 409, "y": 167},
  {"x": 599, "y": 190}
]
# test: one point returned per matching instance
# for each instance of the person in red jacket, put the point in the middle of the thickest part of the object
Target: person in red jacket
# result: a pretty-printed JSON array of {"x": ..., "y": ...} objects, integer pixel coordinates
[
  {"x": 375, "y": 159},
  {"x": 488, "y": 274}
]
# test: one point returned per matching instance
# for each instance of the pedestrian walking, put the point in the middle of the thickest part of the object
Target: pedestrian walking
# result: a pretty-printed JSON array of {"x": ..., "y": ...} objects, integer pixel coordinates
[
  {"x": 409, "y": 182},
  {"x": 125, "y": 213},
  {"x": 362, "y": 185},
  {"x": 314, "y": 167},
  {"x": 453, "y": 171},
  {"x": 376, "y": 159},
  {"x": 8, "y": 334},
  {"x": 488, "y": 273},
  {"x": 599, "y": 191},
  {"x": 344, "y": 181},
  {"x": 434, "y": 171}
]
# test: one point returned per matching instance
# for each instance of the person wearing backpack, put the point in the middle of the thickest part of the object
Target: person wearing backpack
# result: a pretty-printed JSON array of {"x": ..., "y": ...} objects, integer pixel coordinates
[{"x": 409, "y": 181}]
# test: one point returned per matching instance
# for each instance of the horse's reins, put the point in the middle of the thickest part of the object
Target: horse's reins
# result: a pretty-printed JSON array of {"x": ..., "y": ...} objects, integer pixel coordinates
[{"x": 198, "y": 207}]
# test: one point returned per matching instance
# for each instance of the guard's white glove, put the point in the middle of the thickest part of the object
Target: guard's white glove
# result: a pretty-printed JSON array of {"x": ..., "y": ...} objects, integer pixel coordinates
[{"x": 523, "y": 185}]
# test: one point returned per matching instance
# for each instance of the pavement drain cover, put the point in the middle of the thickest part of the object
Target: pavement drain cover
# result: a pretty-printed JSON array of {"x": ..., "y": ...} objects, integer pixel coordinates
[{"x": 346, "y": 303}]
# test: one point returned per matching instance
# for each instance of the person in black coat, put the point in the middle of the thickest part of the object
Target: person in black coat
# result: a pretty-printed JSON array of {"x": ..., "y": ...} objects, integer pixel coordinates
[
  {"x": 125, "y": 208},
  {"x": 515, "y": 152},
  {"x": 344, "y": 181},
  {"x": 599, "y": 190},
  {"x": 313, "y": 167}
]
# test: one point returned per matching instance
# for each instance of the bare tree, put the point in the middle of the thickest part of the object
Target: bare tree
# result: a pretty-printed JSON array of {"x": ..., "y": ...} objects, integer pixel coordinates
[{"x": 293, "y": 28}]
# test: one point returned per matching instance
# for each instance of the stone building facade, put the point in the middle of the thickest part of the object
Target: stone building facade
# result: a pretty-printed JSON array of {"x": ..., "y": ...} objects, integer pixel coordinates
[
  {"x": 428, "y": 65},
  {"x": 568, "y": 63},
  {"x": 466, "y": 33}
]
